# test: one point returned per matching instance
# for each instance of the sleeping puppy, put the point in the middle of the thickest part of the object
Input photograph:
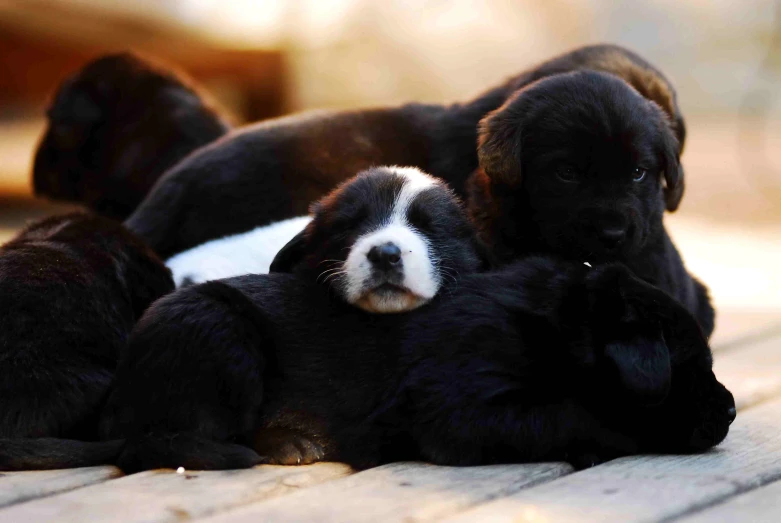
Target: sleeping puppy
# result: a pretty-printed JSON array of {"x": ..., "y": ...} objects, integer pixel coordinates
[
  {"x": 245, "y": 253},
  {"x": 71, "y": 289},
  {"x": 114, "y": 128},
  {"x": 271, "y": 171},
  {"x": 541, "y": 361},
  {"x": 386, "y": 241},
  {"x": 582, "y": 166}
]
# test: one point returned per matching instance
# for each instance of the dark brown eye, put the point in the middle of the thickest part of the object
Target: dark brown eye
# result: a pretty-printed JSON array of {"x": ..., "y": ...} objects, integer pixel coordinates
[
  {"x": 638, "y": 174},
  {"x": 567, "y": 174}
]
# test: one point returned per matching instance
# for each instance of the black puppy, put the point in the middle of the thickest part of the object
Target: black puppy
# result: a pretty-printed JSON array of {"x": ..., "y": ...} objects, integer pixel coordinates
[
  {"x": 537, "y": 362},
  {"x": 71, "y": 289},
  {"x": 582, "y": 166},
  {"x": 271, "y": 171},
  {"x": 114, "y": 128},
  {"x": 386, "y": 241}
]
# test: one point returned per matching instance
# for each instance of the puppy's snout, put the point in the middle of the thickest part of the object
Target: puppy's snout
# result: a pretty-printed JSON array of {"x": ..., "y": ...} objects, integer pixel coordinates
[
  {"x": 731, "y": 414},
  {"x": 385, "y": 257},
  {"x": 613, "y": 236}
]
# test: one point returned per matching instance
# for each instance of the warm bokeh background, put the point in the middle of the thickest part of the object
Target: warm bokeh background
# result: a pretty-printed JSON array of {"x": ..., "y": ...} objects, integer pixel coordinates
[{"x": 262, "y": 58}]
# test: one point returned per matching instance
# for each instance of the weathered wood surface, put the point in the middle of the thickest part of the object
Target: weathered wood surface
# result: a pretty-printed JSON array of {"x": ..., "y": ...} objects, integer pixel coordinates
[
  {"x": 16, "y": 487},
  {"x": 653, "y": 488},
  {"x": 751, "y": 372},
  {"x": 164, "y": 495},
  {"x": 762, "y": 505},
  {"x": 399, "y": 492},
  {"x": 738, "y": 327}
]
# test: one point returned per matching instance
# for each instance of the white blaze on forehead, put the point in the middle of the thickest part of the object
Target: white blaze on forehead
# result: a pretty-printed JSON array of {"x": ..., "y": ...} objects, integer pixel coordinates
[{"x": 420, "y": 275}]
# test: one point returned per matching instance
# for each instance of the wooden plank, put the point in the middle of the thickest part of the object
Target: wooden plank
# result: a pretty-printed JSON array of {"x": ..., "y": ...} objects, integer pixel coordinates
[
  {"x": 752, "y": 372},
  {"x": 651, "y": 488},
  {"x": 736, "y": 327},
  {"x": 16, "y": 487},
  {"x": 164, "y": 495},
  {"x": 762, "y": 505},
  {"x": 399, "y": 492}
]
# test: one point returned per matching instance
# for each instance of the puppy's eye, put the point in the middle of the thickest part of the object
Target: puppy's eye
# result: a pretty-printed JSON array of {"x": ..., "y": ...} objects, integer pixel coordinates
[
  {"x": 638, "y": 174},
  {"x": 567, "y": 174}
]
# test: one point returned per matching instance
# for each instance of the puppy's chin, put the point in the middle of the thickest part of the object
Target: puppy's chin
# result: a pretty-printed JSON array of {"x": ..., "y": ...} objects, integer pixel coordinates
[{"x": 389, "y": 300}]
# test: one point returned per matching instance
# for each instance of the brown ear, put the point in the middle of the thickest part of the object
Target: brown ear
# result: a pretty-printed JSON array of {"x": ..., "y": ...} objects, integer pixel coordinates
[
  {"x": 673, "y": 172},
  {"x": 499, "y": 145}
]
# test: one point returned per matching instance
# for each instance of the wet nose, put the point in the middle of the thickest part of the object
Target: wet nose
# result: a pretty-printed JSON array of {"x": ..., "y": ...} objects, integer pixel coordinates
[
  {"x": 612, "y": 236},
  {"x": 385, "y": 257},
  {"x": 731, "y": 412}
]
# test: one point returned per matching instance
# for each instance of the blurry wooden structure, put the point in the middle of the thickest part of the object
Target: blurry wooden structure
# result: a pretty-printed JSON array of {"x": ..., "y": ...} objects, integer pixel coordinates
[{"x": 43, "y": 41}]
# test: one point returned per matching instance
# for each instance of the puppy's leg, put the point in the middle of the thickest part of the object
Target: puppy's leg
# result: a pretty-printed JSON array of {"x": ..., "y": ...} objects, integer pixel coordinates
[
  {"x": 190, "y": 387},
  {"x": 472, "y": 434}
]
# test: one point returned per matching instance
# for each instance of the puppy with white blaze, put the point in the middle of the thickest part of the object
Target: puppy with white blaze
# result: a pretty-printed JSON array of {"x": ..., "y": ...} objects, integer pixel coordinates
[
  {"x": 246, "y": 253},
  {"x": 385, "y": 241}
]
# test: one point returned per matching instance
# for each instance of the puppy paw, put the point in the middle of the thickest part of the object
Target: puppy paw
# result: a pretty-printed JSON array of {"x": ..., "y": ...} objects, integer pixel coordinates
[
  {"x": 586, "y": 460},
  {"x": 712, "y": 410},
  {"x": 283, "y": 447}
]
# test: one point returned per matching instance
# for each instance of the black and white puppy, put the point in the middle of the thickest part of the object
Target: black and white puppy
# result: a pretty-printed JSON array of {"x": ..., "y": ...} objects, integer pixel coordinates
[
  {"x": 71, "y": 289},
  {"x": 540, "y": 361},
  {"x": 581, "y": 165},
  {"x": 386, "y": 241},
  {"x": 114, "y": 127}
]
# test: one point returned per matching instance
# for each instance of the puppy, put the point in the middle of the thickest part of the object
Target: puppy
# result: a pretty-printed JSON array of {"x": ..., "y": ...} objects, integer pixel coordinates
[
  {"x": 71, "y": 289},
  {"x": 245, "y": 253},
  {"x": 271, "y": 171},
  {"x": 540, "y": 361},
  {"x": 114, "y": 128},
  {"x": 581, "y": 165},
  {"x": 386, "y": 241}
]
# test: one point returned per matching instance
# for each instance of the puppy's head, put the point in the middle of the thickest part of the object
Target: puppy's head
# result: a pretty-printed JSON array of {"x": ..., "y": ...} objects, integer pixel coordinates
[
  {"x": 114, "y": 128},
  {"x": 385, "y": 241},
  {"x": 585, "y": 161}
]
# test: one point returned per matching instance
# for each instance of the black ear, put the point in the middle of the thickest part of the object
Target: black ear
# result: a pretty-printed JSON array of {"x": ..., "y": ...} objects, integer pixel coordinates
[
  {"x": 290, "y": 255},
  {"x": 673, "y": 171},
  {"x": 499, "y": 144},
  {"x": 642, "y": 364}
]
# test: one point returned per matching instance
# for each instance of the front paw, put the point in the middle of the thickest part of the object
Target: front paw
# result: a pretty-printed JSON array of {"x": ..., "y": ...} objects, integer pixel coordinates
[
  {"x": 287, "y": 447},
  {"x": 695, "y": 417},
  {"x": 712, "y": 408}
]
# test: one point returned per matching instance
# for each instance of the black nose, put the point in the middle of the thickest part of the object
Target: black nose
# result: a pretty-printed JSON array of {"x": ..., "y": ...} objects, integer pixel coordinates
[
  {"x": 731, "y": 412},
  {"x": 386, "y": 256},
  {"x": 612, "y": 236}
]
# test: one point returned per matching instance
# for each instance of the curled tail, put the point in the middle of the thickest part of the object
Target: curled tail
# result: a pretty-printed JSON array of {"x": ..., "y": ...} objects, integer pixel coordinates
[{"x": 55, "y": 453}]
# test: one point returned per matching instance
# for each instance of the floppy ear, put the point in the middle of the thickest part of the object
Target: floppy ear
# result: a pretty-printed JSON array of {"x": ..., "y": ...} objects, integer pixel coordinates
[
  {"x": 290, "y": 255},
  {"x": 643, "y": 367},
  {"x": 673, "y": 172},
  {"x": 499, "y": 145}
]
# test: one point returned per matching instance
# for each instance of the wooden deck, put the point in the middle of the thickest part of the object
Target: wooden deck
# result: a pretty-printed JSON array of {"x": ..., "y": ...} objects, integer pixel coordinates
[{"x": 734, "y": 482}]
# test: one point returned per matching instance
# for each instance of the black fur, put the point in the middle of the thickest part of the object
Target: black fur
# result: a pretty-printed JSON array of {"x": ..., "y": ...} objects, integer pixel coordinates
[
  {"x": 115, "y": 127},
  {"x": 558, "y": 161},
  {"x": 273, "y": 170},
  {"x": 530, "y": 363},
  {"x": 71, "y": 289}
]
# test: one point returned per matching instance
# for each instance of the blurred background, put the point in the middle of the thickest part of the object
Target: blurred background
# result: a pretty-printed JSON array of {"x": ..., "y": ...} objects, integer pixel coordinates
[{"x": 263, "y": 58}]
